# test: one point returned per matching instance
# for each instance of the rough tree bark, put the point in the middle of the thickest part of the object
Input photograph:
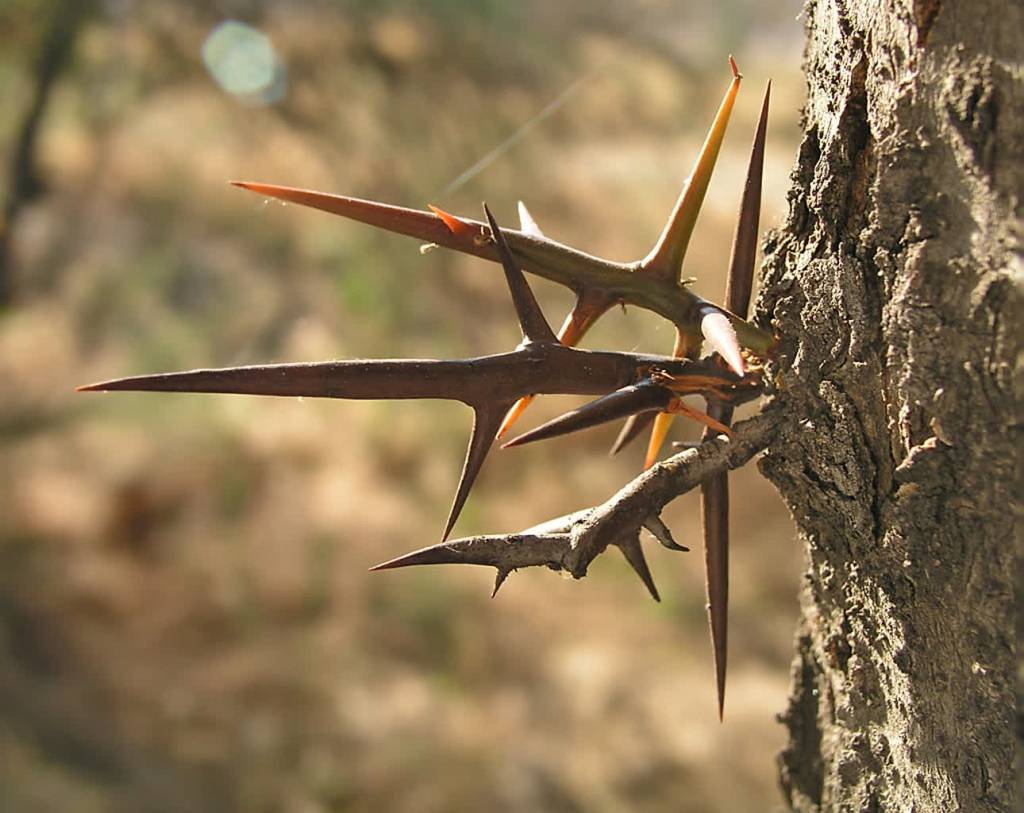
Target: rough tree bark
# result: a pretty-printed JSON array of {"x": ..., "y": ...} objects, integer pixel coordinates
[{"x": 896, "y": 283}]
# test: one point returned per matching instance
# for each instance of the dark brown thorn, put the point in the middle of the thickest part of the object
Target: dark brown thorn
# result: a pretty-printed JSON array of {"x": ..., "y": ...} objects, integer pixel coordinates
[
  {"x": 355, "y": 379},
  {"x": 715, "y": 491},
  {"x": 630, "y": 547},
  {"x": 272, "y": 379},
  {"x": 499, "y": 580},
  {"x": 715, "y": 526},
  {"x": 626, "y": 401},
  {"x": 631, "y": 430},
  {"x": 445, "y": 553},
  {"x": 660, "y": 531},
  {"x": 744, "y": 247},
  {"x": 486, "y": 420},
  {"x": 527, "y": 225},
  {"x": 531, "y": 318}
]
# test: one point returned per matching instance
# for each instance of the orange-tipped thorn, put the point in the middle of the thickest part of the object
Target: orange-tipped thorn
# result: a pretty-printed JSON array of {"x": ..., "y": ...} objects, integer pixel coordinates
[
  {"x": 457, "y": 226},
  {"x": 662, "y": 423},
  {"x": 666, "y": 258},
  {"x": 678, "y": 407}
]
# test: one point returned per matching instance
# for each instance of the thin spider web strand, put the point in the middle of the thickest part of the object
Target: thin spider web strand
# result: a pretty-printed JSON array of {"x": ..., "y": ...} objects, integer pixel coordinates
[{"x": 497, "y": 152}]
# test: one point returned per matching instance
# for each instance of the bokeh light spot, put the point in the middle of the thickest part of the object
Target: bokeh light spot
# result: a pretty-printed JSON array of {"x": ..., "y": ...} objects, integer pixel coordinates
[{"x": 242, "y": 60}]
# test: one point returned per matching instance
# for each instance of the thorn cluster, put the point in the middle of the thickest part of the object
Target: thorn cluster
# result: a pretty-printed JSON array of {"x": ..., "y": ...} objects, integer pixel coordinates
[{"x": 645, "y": 389}]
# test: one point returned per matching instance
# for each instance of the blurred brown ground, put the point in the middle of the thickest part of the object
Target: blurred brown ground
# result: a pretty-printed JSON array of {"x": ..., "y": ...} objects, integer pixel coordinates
[{"x": 186, "y": 620}]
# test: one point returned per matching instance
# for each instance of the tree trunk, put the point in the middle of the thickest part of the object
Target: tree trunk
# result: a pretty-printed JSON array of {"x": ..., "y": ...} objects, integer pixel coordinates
[{"x": 896, "y": 284}]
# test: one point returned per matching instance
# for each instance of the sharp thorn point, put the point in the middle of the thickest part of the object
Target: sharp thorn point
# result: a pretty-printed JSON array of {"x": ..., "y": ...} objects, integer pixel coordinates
[
  {"x": 441, "y": 554},
  {"x": 531, "y": 319},
  {"x": 634, "y": 554},
  {"x": 660, "y": 531},
  {"x": 425, "y": 226},
  {"x": 457, "y": 226},
  {"x": 526, "y": 222},
  {"x": 662, "y": 424},
  {"x": 518, "y": 408},
  {"x": 499, "y": 580},
  {"x": 486, "y": 420},
  {"x": 740, "y": 278},
  {"x": 628, "y": 400},
  {"x": 715, "y": 529},
  {"x": 666, "y": 258}
]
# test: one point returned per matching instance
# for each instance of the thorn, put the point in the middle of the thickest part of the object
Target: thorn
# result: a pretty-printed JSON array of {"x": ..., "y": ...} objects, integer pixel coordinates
[
  {"x": 429, "y": 228},
  {"x": 715, "y": 492},
  {"x": 457, "y": 226},
  {"x": 485, "y": 425},
  {"x": 719, "y": 332},
  {"x": 527, "y": 225},
  {"x": 735, "y": 70},
  {"x": 443, "y": 554},
  {"x": 666, "y": 258},
  {"x": 505, "y": 553},
  {"x": 659, "y": 530},
  {"x": 499, "y": 580},
  {"x": 631, "y": 430},
  {"x": 625, "y": 401},
  {"x": 715, "y": 522},
  {"x": 531, "y": 318},
  {"x": 679, "y": 407},
  {"x": 740, "y": 279},
  {"x": 518, "y": 408},
  {"x": 662, "y": 423},
  {"x": 630, "y": 547}
]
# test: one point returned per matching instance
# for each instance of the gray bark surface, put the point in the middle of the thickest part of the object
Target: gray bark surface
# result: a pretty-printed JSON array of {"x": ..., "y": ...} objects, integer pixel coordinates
[{"x": 896, "y": 285}]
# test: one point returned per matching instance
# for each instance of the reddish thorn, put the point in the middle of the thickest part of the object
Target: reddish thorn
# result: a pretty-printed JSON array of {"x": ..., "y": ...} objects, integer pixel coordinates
[{"x": 459, "y": 228}]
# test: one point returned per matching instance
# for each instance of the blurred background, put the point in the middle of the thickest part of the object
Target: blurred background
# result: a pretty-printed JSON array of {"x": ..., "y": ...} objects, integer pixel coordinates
[{"x": 186, "y": 618}]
